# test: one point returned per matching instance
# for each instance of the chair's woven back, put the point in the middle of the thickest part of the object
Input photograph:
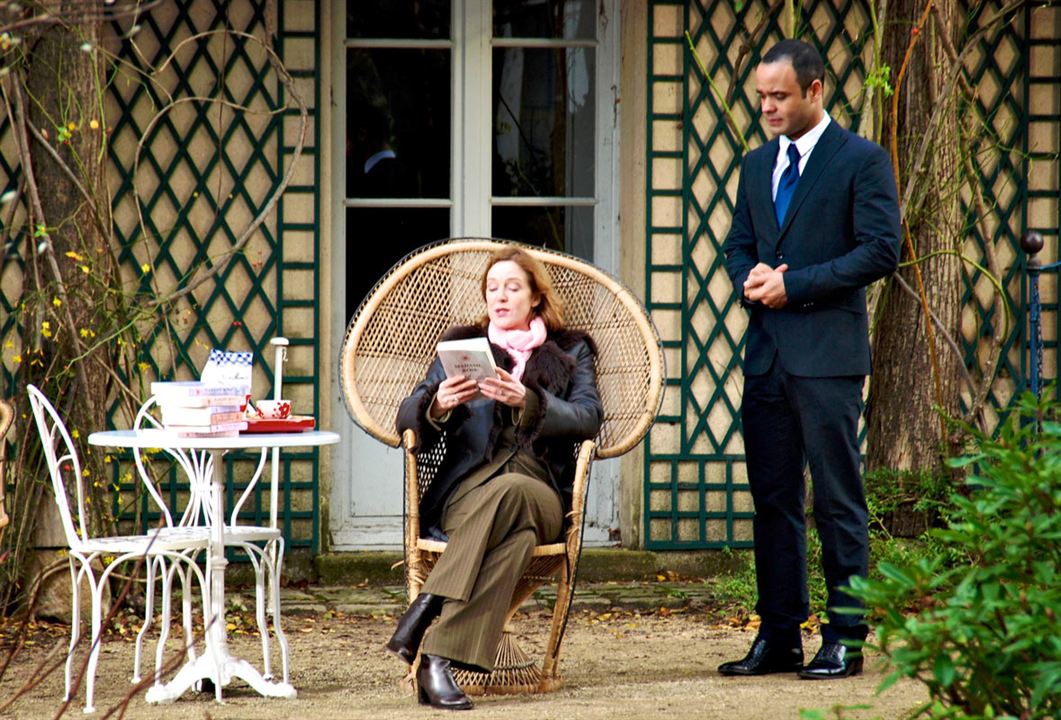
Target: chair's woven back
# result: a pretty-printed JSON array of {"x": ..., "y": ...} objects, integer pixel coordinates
[{"x": 391, "y": 340}]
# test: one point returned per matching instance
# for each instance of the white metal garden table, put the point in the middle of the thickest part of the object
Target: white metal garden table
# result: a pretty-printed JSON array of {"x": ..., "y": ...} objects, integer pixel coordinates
[{"x": 217, "y": 661}]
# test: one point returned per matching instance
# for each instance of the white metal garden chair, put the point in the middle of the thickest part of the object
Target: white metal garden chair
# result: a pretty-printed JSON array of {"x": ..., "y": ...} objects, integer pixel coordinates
[{"x": 170, "y": 552}]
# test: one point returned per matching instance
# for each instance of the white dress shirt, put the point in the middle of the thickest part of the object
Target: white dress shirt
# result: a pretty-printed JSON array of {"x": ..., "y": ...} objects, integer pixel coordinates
[{"x": 804, "y": 146}]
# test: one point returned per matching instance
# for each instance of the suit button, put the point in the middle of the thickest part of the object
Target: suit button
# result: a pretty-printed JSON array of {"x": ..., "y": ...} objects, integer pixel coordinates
[{"x": 780, "y": 255}]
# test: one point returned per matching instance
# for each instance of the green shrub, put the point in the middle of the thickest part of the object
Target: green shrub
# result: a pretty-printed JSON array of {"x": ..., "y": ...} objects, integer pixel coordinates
[
  {"x": 983, "y": 635},
  {"x": 906, "y": 503}
]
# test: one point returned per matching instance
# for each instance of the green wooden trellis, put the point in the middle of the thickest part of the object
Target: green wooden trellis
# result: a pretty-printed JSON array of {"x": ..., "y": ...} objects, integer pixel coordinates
[
  {"x": 252, "y": 155},
  {"x": 200, "y": 181},
  {"x": 695, "y": 490}
]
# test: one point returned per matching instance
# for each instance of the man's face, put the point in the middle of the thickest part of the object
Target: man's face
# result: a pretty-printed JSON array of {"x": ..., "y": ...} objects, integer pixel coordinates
[{"x": 787, "y": 109}]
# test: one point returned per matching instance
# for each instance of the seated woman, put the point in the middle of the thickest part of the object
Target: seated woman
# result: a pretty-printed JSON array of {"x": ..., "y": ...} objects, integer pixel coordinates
[{"x": 505, "y": 482}]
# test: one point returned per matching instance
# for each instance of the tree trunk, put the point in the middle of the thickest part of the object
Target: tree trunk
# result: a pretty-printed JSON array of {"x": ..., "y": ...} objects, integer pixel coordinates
[
  {"x": 73, "y": 265},
  {"x": 911, "y": 375},
  {"x": 64, "y": 86}
]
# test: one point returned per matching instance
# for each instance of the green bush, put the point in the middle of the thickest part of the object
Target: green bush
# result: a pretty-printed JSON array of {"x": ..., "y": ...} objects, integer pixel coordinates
[
  {"x": 983, "y": 635},
  {"x": 906, "y": 503}
]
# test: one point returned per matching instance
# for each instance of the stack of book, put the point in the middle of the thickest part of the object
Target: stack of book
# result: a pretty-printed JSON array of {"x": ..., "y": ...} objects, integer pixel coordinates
[{"x": 199, "y": 409}]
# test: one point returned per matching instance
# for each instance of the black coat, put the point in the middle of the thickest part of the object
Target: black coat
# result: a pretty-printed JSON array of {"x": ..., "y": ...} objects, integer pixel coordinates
[
  {"x": 840, "y": 234},
  {"x": 561, "y": 372}
]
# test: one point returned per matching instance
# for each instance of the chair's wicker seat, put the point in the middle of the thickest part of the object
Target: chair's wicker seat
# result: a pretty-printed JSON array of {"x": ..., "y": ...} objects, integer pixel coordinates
[{"x": 388, "y": 348}]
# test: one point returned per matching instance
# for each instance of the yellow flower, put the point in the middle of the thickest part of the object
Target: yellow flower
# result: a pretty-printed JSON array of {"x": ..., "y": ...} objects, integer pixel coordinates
[
  {"x": 93, "y": 124},
  {"x": 46, "y": 329},
  {"x": 145, "y": 268},
  {"x": 143, "y": 366},
  {"x": 57, "y": 302},
  {"x": 17, "y": 358},
  {"x": 73, "y": 255},
  {"x": 75, "y": 434},
  {"x": 85, "y": 269},
  {"x": 71, "y": 126},
  {"x": 83, "y": 332}
]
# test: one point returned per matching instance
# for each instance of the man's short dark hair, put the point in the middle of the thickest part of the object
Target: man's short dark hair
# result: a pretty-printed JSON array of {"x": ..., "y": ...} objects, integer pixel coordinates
[{"x": 805, "y": 61}]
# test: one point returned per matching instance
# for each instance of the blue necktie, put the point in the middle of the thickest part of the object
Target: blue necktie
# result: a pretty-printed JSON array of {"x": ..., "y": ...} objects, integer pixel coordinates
[{"x": 787, "y": 185}]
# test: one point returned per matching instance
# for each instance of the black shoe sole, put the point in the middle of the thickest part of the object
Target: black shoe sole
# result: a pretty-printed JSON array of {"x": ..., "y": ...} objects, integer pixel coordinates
[
  {"x": 423, "y": 698},
  {"x": 399, "y": 654},
  {"x": 810, "y": 675},
  {"x": 756, "y": 673}
]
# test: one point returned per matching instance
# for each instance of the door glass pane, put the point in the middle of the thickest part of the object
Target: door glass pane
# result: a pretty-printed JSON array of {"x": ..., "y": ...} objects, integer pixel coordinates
[
  {"x": 398, "y": 123},
  {"x": 397, "y": 19},
  {"x": 564, "y": 19},
  {"x": 568, "y": 229},
  {"x": 376, "y": 238},
  {"x": 544, "y": 122}
]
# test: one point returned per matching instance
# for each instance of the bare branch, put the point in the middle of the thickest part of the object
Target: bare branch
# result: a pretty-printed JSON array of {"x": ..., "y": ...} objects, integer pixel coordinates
[{"x": 219, "y": 263}]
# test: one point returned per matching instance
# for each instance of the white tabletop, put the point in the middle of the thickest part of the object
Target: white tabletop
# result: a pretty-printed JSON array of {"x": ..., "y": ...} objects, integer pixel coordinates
[{"x": 157, "y": 438}]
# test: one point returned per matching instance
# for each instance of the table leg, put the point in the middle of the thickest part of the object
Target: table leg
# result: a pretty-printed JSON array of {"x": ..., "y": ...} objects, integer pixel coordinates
[{"x": 217, "y": 663}]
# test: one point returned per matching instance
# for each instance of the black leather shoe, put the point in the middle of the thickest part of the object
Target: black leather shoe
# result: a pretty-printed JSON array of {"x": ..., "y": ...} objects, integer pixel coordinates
[
  {"x": 412, "y": 625},
  {"x": 765, "y": 658},
  {"x": 834, "y": 660},
  {"x": 437, "y": 686}
]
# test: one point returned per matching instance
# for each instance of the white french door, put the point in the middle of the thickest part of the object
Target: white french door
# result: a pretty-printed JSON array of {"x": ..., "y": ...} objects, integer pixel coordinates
[{"x": 485, "y": 118}]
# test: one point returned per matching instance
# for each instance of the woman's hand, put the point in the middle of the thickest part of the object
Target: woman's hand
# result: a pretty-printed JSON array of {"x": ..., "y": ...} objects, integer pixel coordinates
[
  {"x": 451, "y": 393},
  {"x": 504, "y": 389}
]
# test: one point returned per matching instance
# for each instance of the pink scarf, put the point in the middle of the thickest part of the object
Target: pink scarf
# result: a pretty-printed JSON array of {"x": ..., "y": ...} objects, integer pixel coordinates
[{"x": 518, "y": 343}]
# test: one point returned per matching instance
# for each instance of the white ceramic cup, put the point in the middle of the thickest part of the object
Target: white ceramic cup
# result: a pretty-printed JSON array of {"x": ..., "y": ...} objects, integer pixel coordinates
[{"x": 274, "y": 409}]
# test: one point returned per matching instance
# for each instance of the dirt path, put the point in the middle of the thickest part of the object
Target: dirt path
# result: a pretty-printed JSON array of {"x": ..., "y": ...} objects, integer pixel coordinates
[{"x": 617, "y": 666}]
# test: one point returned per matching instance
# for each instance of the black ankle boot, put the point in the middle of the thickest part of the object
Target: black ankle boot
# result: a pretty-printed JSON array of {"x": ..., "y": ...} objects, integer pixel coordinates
[
  {"x": 437, "y": 686},
  {"x": 412, "y": 625}
]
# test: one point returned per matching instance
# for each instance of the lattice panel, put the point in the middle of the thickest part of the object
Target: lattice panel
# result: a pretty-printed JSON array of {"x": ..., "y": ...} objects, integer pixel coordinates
[
  {"x": 189, "y": 174},
  {"x": 696, "y": 489},
  {"x": 996, "y": 69},
  {"x": 1042, "y": 148},
  {"x": 11, "y": 259},
  {"x": 203, "y": 171}
]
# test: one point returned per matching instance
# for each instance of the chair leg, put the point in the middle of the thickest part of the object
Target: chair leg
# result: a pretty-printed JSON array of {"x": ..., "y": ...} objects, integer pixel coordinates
[
  {"x": 167, "y": 616},
  {"x": 550, "y": 667},
  {"x": 97, "y": 587},
  {"x": 260, "y": 566},
  {"x": 149, "y": 617},
  {"x": 187, "y": 586},
  {"x": 274, "y": 582},
  {"x": 75, "y": 623}
]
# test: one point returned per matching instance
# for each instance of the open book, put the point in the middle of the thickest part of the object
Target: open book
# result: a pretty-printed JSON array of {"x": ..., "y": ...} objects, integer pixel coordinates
[{"x": 471, "y": 358}]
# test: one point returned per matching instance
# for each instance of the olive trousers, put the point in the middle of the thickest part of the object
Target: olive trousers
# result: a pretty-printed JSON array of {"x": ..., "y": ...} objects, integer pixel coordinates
[{"x": 493, "y": 525}]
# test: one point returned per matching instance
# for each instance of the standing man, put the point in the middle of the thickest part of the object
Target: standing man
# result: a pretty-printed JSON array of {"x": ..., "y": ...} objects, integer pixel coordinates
[{"x": 816, "y": 221}]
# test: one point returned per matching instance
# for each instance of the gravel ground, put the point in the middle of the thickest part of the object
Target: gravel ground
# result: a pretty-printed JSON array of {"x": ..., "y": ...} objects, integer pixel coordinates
[{"x": 616, "y": 665}]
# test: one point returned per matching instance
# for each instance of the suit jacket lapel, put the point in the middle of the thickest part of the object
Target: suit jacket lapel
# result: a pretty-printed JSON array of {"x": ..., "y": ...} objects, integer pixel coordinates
[
  {"x": 760, "y": 184},
  {"x": 827, "y": 146}
]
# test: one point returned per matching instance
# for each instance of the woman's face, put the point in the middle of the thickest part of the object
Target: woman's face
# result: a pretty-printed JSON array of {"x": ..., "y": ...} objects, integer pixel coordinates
[{"x": 509, "y": 301}]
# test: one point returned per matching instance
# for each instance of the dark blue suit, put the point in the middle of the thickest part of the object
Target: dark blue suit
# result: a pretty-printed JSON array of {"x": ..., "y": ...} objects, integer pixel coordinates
[{"x": 805, "y": 364}]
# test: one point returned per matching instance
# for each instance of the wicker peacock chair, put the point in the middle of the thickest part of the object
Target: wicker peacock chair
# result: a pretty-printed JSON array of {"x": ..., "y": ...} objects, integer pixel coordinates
[{"x": 388, "y": 348}]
